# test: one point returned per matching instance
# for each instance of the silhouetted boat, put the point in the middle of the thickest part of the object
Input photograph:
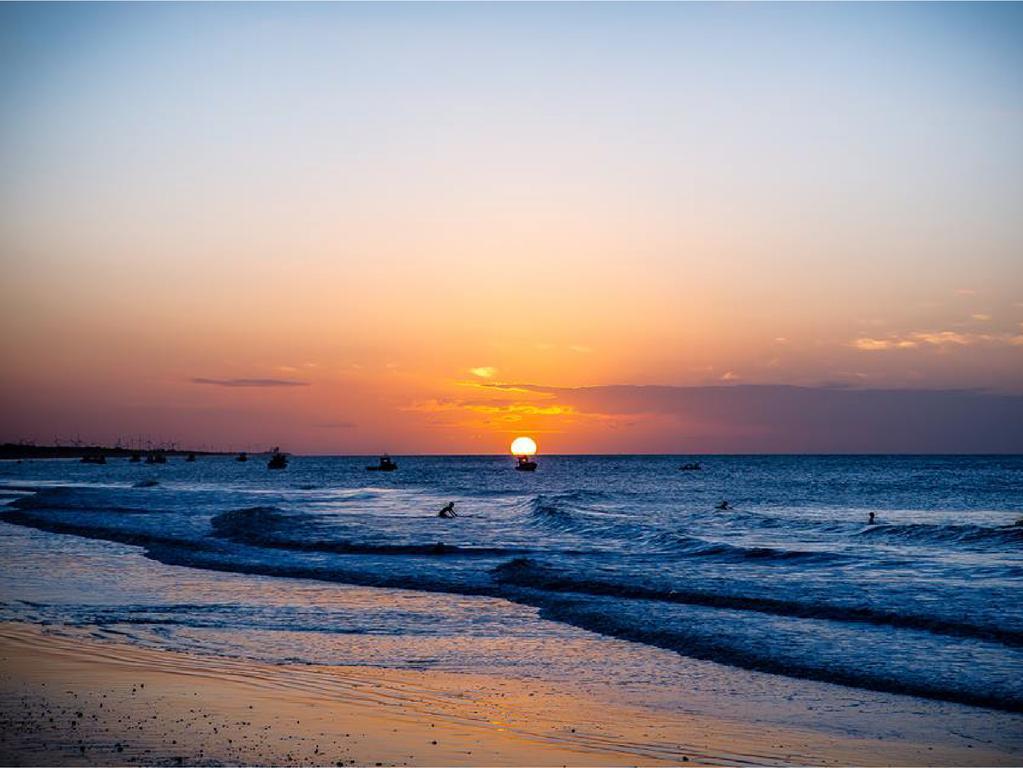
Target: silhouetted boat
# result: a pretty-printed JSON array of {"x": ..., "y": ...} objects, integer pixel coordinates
[
  {"x": 156, "y": 457},
  {"x": 242, "y": 457},
  {"x": 136, "y": 457},
  {"x": 691, "y": 467},
  {"x": 278, "y": 460},
  {"x": 525, "y": 464},
  {"x": 190, "y": 457},
  {"x": 385, "y": 465},
  {"x": 95, "y": 458}
]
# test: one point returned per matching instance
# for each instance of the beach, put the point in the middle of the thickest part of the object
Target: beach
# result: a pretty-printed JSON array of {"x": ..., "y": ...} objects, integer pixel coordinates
[{"x": 73, "y": 702}]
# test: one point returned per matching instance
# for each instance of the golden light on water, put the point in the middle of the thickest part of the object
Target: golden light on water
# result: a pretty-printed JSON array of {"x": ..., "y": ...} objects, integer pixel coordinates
[{"x": 523, "y": 446}]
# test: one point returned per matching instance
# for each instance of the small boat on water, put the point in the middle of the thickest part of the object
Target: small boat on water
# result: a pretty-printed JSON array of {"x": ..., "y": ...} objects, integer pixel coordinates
[
  {"x": 190, "y": 457},
  {"x": 692, "y": 466},
  {"x": 525, "y": 464},
  {"x": 156, "y": 457},
  {"x": 242, "y": 456},
  {"x": 385, "y": 465},
  {"x": 94, "y": 458},
  {"x": 136, "y": 457},
  {"x": 278, "y": 460}
]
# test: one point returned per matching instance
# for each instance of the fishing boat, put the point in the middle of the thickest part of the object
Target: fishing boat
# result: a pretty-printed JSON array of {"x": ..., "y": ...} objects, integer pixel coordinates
[
  {"x": 190, "y": 457},
  {"x": 278, "y": 460},
  {"x": 156, "y": 457},
  {"x": 242, "y": 457},
  {"x": 385, "y": 465},
  {"x": 136, "y": 457},
  {"x": 525, "y": 464}
]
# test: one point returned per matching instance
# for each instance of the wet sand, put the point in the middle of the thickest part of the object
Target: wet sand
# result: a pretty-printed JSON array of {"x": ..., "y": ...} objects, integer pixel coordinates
[{"x": 67, "y": 701}]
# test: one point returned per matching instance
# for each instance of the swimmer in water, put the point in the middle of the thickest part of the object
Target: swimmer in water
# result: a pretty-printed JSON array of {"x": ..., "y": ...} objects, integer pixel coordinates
[
  {"x": 448, "y": 511},
  {"x": 724, "y": 505},
  {"x": 870, "y": 519}
]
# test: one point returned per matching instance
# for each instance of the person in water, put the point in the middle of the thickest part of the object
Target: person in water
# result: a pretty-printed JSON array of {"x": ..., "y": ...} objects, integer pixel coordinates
[
  {"x": 870, "y": 519},
  {"x": 724, "y": 505},
  {"x": 448, "y": 510}
]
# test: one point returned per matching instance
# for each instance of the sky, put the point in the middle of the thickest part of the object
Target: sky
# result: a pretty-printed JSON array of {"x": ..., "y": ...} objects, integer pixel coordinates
[{"x": 429, "y": 228}]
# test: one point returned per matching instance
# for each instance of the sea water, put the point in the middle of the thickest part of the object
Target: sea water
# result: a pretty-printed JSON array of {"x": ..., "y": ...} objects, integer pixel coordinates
[{"x": 792, "y": 581}]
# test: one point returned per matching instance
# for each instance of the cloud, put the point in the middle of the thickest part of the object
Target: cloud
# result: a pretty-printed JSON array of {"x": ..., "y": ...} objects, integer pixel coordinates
[
  {"x": 941, "y": 338},
  {"x": 868, "y": 344},
  {"x": 501, "y": 407},
  {"x": 739, "y": 418},
  {"x": 730, "y": 376},
  {"x": 484, "y": 371},
  {"x": 250, "y": 382},
  {"x": 336, "y": 425},
  {"x": 918, "y": 339},
  {"x": 981, "y": 317}
]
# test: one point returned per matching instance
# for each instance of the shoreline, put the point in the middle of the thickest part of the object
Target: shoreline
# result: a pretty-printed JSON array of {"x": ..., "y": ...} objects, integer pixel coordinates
[
  {"x": 17, "y": 452},
  {"x": 73, "y": 701}
]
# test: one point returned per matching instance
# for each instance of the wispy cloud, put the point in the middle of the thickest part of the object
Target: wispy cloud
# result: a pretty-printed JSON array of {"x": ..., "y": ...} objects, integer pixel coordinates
[
  {"x": 336, "y": 425},
  {"x": 250, "y": 382},
  {"x": 504, "y": 407},
  {"x": 923, "y": 339},
  {"x": 868, "y": 344},
  {"x": 484, "y": 371}
]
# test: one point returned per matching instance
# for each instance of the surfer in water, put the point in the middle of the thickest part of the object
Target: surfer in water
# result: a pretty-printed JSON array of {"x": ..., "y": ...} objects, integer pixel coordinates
[
  {"x": 870, "y": 519},
  {"x": 724, "y": 505},
  {"x": 448, "y": 511}
]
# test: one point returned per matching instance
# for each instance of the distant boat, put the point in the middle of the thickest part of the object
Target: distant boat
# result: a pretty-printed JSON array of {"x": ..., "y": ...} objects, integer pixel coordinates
[
  {"x": 190, "y": 457},
  {"x": 242, "y": 457},
  {"x": 94, "y": 458},
  {"x": 136, "y": 457},
  {"x": 385, "y": 465},
  {"x": 156, "y": 457},
  {"x": 691, "y": 467},
  {"x": 525, "y": 464},
  {"x": 278, "y": 460}
]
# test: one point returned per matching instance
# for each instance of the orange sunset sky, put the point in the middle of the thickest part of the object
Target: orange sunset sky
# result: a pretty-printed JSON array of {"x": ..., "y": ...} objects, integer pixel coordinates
[{"x": 429, "y": 228}]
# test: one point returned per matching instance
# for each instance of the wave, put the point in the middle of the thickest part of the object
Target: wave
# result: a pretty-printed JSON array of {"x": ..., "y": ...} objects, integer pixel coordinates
[
  {"x": 525, "y": 572},
  {"x": 964, "y": 534},
  {"x": 97, "y": 531},
  {"x": 696, "y": 547},
  {"x": 65, "y": 499},
  {"x": 270, "y": 527},
  {"x": 577, "y": 512},
  {"x": 566, "y": 513},
  {"x": 717, "y": 648},
  {"x": 547, "y": 513}
]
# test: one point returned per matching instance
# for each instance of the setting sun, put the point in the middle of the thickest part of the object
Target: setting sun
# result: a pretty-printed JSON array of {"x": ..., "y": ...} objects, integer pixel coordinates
[{"x": 523, "y": 446}]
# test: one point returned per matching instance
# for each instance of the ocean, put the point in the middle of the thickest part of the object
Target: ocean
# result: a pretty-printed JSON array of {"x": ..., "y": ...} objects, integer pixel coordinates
[{"x": 593, "y": 568}]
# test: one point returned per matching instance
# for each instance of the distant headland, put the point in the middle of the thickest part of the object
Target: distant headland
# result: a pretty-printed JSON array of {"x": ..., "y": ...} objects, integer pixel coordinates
[{"x": 9, "y": 451}]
